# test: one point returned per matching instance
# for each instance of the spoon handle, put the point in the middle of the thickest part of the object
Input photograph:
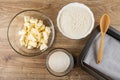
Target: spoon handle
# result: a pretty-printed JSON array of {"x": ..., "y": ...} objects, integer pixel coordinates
[{"x": 100, "y": 49}]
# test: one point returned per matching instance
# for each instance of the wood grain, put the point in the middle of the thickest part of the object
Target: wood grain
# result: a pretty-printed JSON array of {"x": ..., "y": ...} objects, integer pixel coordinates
[{"x": 16, "y": 67}]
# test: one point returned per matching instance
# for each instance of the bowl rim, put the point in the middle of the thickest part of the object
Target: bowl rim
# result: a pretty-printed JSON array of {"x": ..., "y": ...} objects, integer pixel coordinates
[
  {"x": 53, "y": 31},
  {"x": 79, "y": 5}
]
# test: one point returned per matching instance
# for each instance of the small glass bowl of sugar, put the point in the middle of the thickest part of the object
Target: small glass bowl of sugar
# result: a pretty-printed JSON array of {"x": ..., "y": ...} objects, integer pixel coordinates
[{"x": 59, "y": 62}]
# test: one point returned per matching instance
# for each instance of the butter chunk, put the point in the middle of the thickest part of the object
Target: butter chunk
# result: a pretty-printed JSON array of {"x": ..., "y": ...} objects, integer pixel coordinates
[
  {"x": 39, "y": 37},
  {"x": 47, "y": 29},
  {"x": 43, "y": 47},
  {"x": 29, "y": 47},
  {"x": 34, "y": 31},
  {"x": 22, "y": 40},
  {"x": 44, "y": 41},
  {"x": 32, "y": 43},
  {"x": 39, "y": 24},
  {"x": 27, "y": 24},
  {"x": 45, "y": 35},
  {"x": 26, "y": 18},
  {"x": 31, "y": 37},
  {"x": 42, "y": 28},
  {"x": 33, "y": 20},
  {"x": 22, "y": 32}
]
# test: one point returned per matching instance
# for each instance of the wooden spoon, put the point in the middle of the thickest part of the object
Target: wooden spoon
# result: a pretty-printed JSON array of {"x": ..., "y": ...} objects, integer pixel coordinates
[{"x": 104, "y": 25}]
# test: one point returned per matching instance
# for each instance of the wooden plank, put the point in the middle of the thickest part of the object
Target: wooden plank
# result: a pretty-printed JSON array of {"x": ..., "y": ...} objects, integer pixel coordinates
[{"x": 16, "y": 67}]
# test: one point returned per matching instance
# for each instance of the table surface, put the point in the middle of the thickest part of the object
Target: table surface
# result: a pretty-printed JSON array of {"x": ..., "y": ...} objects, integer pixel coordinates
[{"x": 16, "y": 67}]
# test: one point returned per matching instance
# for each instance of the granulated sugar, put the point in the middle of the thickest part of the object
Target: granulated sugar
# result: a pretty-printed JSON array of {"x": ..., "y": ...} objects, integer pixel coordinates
[{"x": 59, "y": 61}]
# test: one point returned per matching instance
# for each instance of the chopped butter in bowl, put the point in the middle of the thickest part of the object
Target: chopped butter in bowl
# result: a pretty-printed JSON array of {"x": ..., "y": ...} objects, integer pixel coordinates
[
  {"x": 30, "y": 33},
  {"x": 34, "y": 34}
]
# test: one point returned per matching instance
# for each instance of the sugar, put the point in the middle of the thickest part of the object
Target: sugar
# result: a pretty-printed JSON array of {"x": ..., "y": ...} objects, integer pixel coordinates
[{"x": 59, "y": 61}]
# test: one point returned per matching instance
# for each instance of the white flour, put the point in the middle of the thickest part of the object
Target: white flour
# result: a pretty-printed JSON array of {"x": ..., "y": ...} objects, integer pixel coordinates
[{"x": 75, "y": 21}]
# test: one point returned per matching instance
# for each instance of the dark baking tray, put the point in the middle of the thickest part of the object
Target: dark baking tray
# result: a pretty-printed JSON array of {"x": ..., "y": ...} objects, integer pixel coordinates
[{"x": 100, "y": 76}]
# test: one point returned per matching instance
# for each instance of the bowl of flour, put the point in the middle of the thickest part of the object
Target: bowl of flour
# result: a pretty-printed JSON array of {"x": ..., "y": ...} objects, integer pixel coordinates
[{"x": 75, "y": 21}]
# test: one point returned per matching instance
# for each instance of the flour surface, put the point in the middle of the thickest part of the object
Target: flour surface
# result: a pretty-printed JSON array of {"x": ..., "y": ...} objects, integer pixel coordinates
[{"x": 75, "y": 21}]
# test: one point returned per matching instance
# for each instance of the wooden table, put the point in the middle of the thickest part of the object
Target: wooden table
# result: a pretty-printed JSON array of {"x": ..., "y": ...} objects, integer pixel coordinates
[{"x": 16, "y": 67}]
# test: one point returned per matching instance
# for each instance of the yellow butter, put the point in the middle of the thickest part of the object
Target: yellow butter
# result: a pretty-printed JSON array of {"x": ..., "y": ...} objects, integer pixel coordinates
[{"x": 34, "y": 34}]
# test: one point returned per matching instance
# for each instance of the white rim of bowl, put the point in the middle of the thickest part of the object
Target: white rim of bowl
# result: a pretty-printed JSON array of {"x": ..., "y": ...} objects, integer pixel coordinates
[{"x": 80, "y": 5}]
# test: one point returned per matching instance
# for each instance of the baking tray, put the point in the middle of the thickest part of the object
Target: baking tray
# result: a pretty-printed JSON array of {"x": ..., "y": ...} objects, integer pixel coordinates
[{"x": 100, "y": 76}]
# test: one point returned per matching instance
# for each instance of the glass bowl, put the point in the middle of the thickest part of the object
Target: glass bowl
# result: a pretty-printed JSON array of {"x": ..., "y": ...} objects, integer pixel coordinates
[
  {"x": 60, "y": 74},
  {"x": 16, "y": 24}
]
